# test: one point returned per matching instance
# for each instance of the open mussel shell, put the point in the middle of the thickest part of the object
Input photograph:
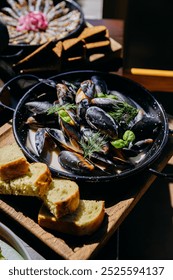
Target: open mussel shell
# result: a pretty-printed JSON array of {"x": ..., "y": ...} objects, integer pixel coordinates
[
  {"x": 152, "y": 115},
  {"x": 75, "y": 162},
  {"x": 146, "y": 127}
]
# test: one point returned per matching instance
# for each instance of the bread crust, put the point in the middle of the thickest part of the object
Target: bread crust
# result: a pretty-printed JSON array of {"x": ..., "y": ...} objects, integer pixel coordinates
[
  {"x": 43, "y": 180},
  {"x": 35, "y": 183},
  {"x": 68, "y": 224},
  {"x": 13, "y": 163},
  {"x": 62, "y": 197},
  {"x": 69, "y": 205},
  {"x": 14, "y": 169}
]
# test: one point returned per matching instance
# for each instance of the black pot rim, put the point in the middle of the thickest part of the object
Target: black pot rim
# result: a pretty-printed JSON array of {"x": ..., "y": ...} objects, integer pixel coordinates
[{"x": 150, "y": 159}]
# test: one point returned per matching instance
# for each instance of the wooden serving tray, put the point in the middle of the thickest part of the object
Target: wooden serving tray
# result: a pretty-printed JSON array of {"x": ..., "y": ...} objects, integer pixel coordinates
[{"x": 120, "y": 198}]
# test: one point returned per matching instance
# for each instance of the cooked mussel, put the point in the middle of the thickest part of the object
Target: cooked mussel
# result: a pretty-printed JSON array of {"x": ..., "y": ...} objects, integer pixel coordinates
[
  {"x": 85, "y": 91},
  {"x": 98, "y": 119},
  {"x": 112, "y": 164},
  {"x": 106, "y": 103},
  {"x": 91, "y": 137},
  {"x": 75, "y": 162},
  {"x": 42, "y": 120},
  {"x": 64, "y": 94},
  {"x": 81, "y": 109},
  {"x": 88, "y": 87},
  {"x": 40, "y": 136},
  {"x": 146, "y": 127},
  {"x": 100, "y": 85},
  {"x": 138, "y": 147},
  {"x": 44, "y": 145},
  {"x": 38, "y": 107},
  {"x": 63, "y": 141}
]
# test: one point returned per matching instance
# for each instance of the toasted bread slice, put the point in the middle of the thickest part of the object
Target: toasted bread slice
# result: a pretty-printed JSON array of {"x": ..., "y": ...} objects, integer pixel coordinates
[
  {"x": 73, "y": 47},
  {"x": 94, "y": 33},
  {"x": 35, "y": 183},
  {"x": 13, "y": 163},
  {"x": 98, "y": 47},
  {"x": 62, "y": 197},
  {"x": 84, "y": 221}
]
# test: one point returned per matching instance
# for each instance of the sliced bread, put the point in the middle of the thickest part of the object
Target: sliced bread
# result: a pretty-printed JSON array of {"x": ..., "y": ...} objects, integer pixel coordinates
[
  {"x": 62, "y": 197},
  {"x": 84, "y": 221},
  {"x": 94, "y": 33},
  {"x": 13, "y": 163},
  {"x": 35, "y": 183}
]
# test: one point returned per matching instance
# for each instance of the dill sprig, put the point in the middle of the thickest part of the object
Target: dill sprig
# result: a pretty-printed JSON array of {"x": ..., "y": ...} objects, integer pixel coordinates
[
  {"x": 124, "y": 112},
  {"x": 56, "y": 108},
  {"x": 94, "y": 144}
]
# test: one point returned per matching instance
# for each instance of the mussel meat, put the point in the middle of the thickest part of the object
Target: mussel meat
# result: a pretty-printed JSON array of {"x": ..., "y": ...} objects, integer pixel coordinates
[
  {"x": 75, "y": 162},
  {"x": 64, "y": 142},
  {"x": 88, "y": 87},
  {"x": 85, "y": 91}
]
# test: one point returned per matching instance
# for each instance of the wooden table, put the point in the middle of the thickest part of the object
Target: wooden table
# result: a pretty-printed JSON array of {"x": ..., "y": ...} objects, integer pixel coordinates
[
  {"x": 120, "y": 197},
  {"x": 153, "y": 83}
]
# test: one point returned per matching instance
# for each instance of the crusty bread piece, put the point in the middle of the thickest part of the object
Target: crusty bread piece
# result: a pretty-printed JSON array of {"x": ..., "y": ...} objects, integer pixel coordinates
[
  {"x": 58, "y": 49},
  {"x": 62, "y": 197},
  {"x": 73, "y": 47},
  {"x": 98, "y": 47},
  {"x": 73, "y": 42},
  {"x": 35, "y": 183},
  {"x": 84, "y": 221},
  {"x": 90, "y": 34},
  {"x": 12, "y": 162}
]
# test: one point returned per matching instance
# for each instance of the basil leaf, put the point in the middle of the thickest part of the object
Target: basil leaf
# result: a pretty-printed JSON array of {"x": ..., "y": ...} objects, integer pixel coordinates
[
  {"x": 129, "y": 136},
  {"x": 118, "y": 144}
]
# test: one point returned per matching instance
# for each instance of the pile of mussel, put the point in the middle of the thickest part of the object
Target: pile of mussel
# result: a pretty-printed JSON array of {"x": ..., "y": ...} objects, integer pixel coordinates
[{"x": 90, "y": 129}]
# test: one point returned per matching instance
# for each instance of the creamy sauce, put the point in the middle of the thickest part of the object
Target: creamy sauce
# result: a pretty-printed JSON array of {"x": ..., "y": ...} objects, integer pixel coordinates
[{"x": 53, "y": 155}]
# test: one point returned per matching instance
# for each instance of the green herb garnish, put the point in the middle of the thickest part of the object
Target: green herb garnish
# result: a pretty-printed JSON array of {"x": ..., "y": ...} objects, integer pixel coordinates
[
  {"x": 124, "y": 112},
  {"x": 56, "y": 108},
  {"x": 94, "y": 144},
  {"x": 62, "y": 111},
  {"x": 128, "y": 137},
  {"x": 103, "y": 95}
]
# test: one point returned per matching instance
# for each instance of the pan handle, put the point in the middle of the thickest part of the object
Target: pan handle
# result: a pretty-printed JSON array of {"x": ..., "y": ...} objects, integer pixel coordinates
[
  {"x": 161, "y": 174},
  {"x": 16, "y": 79},
  {"x": 6, "y": 107}
]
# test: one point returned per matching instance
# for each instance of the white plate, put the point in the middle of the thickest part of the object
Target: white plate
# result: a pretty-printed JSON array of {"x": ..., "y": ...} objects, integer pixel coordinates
[{"x": 11, "y": 246}]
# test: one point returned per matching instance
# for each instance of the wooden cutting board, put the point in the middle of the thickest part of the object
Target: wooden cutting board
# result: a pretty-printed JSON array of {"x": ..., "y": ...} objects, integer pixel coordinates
[{"x": 120, "y": 198}]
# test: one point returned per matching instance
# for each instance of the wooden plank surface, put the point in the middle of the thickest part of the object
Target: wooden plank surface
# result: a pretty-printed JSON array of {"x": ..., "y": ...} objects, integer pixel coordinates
[{"x": 120, "y": 198}]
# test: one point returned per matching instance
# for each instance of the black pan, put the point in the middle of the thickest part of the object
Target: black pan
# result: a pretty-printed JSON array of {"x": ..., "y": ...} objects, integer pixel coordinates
[{"x": 126, "y": 86}]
